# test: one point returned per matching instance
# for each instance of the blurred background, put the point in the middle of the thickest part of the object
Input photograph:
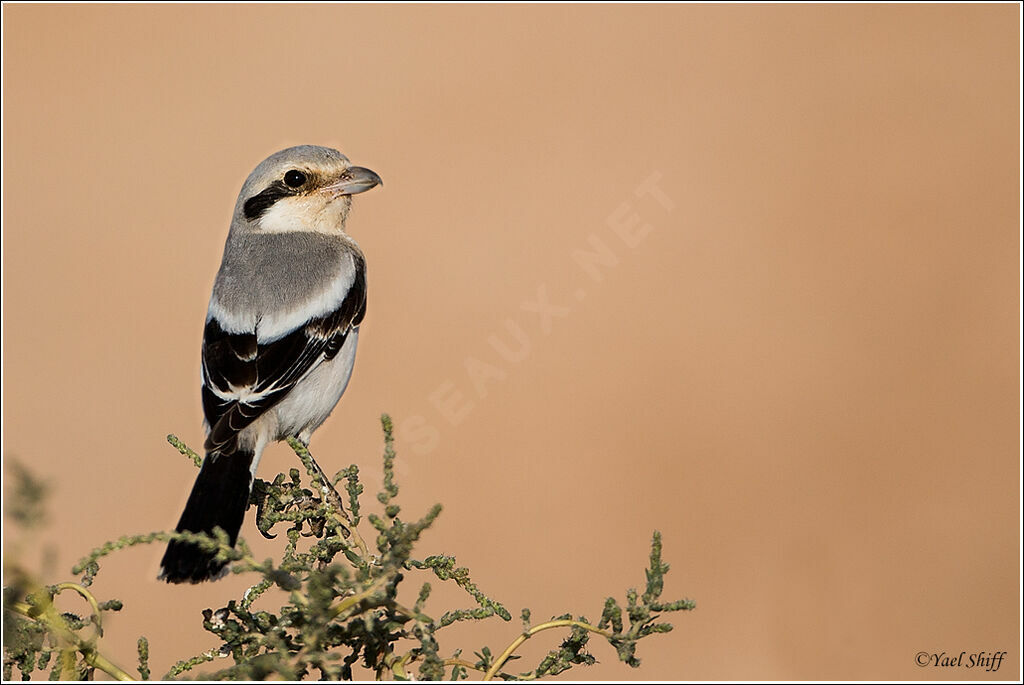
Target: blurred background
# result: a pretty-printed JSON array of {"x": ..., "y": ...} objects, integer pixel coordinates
[{"x": 747, "y": 275}]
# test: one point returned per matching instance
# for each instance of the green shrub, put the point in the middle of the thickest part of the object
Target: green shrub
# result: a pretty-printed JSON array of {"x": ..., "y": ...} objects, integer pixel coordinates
[{"x": 342, "y": 590}]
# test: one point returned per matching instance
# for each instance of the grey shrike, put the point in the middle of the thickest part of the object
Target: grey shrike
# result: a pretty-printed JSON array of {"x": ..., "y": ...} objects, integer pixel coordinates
[{"x": 280, "y": 336}]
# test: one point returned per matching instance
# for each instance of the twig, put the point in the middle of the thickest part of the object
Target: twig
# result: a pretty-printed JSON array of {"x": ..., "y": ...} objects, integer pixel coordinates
[
  {"x": 188, "y": 664},
  {"x": 455, "y": 661},
  {"x": 526, "y": 635},
  {"x": 48, "y": 616},
  {"x": 327, "y": 489},
  {"x": 185, "y": 449},
  {"x": 87, "y": 596},
  {"x": 351, "y": 601}
]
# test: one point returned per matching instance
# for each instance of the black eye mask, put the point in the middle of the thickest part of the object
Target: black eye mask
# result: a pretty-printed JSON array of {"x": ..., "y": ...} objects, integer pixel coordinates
[{"x": 257, "y": 205}]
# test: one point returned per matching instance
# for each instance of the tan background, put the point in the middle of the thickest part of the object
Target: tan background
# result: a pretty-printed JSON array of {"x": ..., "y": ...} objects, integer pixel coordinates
[{"x": 805, "y": 374}]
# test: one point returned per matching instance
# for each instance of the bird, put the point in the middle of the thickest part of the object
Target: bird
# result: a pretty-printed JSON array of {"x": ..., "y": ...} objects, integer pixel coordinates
[{"x": 280, "y": 337}]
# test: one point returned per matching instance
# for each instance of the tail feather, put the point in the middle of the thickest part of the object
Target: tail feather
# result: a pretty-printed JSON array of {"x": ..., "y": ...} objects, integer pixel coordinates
[{"x": 219, "y": 498}]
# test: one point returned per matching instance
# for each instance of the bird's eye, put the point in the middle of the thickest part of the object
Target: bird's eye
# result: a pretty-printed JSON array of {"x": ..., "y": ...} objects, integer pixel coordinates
[{"x": 294, "y": 178}]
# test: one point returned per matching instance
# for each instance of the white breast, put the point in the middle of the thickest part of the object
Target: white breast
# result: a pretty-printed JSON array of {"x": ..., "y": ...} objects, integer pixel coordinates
[{"x": 313, "y": 398}]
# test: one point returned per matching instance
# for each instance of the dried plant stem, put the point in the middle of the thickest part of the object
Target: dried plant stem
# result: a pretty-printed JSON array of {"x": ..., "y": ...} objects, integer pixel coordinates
[
  {"x": 51, "y": 618},
  {"x": 328, "y": 490},
  {"x": 455, "y": 661},
  {"x": 349, "y": 602},
  {"x": 87, "y": 596},
  {"x": 526, "y": 635},
  {"x": 398, "y": 667}
]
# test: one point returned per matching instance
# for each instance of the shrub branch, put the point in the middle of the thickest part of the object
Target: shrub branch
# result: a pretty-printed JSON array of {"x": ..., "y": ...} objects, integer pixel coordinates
[{"x": 340, "y": 593}]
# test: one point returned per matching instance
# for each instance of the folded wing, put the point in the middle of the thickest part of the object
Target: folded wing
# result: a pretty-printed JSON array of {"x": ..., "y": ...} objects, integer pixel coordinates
[{"x": 244, "y": 377}]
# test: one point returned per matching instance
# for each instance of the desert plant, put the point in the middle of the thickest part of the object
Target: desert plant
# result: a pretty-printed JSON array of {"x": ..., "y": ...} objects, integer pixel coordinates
[{"x": 342, "y": 605}]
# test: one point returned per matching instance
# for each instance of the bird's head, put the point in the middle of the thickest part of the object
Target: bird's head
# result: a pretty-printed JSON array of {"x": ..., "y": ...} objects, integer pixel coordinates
[{"x": 303, "y": 188}]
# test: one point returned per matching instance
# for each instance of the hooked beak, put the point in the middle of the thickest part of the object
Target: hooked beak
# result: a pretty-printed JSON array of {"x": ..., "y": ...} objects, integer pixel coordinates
[{"x": 355, "y": 180}]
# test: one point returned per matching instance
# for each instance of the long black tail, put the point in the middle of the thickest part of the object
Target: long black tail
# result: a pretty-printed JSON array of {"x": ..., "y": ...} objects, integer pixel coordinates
[{"x": 219, "y": 498}]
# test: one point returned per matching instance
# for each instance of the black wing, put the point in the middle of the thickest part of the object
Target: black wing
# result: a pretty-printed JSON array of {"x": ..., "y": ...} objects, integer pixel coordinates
[{"x": 243, "y": 378}]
